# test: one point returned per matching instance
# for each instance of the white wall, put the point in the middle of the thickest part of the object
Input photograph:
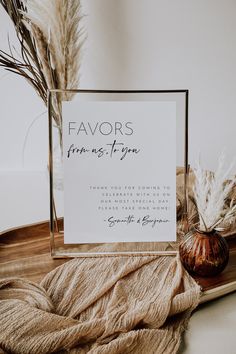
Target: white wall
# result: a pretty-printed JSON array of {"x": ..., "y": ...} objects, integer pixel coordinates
[{"x": 140, "y": 44}]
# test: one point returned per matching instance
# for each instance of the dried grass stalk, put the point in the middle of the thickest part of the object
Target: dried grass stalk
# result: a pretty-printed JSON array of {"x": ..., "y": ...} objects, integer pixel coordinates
[
  {"x": 211, "y": 192},
  {"x": 58, "y": 22},
  {"x": 50, "y": 38}
]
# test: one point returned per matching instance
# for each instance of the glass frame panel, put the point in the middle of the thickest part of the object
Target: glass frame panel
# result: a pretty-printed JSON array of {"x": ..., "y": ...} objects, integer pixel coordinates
[{"x": 57, "y": 246}]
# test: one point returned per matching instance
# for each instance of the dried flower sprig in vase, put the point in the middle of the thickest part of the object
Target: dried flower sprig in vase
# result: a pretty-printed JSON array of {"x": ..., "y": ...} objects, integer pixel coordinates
[
  {"x": 203, "y": 250},
  {"x": 50, "y": 37}
]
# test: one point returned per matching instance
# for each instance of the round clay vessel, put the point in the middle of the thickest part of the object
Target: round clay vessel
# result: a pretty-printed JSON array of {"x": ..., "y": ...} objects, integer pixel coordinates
[{"x": 204, "y": 253}]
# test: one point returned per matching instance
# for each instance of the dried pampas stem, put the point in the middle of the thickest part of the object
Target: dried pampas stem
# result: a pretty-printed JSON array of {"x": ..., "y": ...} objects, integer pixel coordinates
[
  {"x": 50, "y": 38},
  {"x": 210, "y": 193},
  {"x": 59, "y": 23}
]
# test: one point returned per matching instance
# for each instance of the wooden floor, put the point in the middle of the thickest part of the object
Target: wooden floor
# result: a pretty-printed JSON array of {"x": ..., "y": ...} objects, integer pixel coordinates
[{"x": 24, "y": 252}]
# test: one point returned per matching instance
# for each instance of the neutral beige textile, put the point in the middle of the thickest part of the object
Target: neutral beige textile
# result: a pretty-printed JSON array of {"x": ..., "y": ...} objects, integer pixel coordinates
[{"x": 109, "y": 305}]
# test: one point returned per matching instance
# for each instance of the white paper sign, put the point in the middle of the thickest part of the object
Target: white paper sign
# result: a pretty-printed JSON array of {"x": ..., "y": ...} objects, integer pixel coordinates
[{"x": 119, "y": 171}]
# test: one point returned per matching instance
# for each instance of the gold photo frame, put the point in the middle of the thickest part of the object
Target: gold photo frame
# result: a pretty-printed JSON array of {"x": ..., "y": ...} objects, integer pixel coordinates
[{"x": 55, "y": 101}]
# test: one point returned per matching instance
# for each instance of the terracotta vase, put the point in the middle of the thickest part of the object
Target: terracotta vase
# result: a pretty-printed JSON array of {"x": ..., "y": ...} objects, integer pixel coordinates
[{"x": 204, "y": 253}]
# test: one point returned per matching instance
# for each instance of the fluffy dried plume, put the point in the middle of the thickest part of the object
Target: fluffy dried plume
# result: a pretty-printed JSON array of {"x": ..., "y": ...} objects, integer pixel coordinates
[
  {"x": 211, "y": 191},
  {"x": 50, "y": 37},
  {"x": 59, "y": 23},
  {"x": 26, "y": 64}
]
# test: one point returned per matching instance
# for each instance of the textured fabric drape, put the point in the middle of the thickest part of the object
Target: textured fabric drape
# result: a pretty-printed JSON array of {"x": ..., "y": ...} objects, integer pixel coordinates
[{"x": 99, "y": 306}]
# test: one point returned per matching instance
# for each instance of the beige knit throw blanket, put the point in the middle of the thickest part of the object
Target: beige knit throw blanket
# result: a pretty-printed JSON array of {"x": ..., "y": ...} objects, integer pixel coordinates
[{"x": 99, "y": 305}]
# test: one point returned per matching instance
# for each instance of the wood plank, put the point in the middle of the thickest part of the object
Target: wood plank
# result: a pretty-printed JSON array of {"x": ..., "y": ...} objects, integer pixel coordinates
[{"x": 25, "y": 252}]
